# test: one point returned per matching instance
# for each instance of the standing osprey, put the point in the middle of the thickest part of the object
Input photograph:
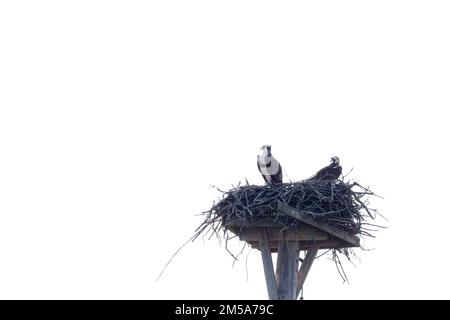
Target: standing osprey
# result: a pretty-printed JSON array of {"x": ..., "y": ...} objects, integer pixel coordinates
[
  {"x": 330, "y": 172},
  {"x": 269, "y": 167}
]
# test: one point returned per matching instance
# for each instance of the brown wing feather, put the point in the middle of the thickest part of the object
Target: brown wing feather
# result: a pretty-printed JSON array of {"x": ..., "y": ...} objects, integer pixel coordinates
[
  {"x": 278, "y": 177},
  {"x": 330, "y": 172},
  {"x": 319, "y": 174}
]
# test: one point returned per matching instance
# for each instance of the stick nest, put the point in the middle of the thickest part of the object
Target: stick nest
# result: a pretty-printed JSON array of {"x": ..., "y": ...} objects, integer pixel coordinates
[
  {"x": 344, "y": 205},
  {"x": 341, "y": 204}
]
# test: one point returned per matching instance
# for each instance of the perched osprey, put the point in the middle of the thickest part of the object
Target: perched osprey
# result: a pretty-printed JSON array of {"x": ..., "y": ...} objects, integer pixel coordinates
[
  {"x": 269, "y": 167},
  {"x": 330, "y": 172}
]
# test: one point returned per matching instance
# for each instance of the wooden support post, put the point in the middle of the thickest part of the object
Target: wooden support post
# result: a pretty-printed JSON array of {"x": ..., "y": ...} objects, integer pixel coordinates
[
  {"x": 287, "y": 265},
  {"x": 268, "y": 266},
  {"x": 269, "y": 236},
  {"x": 305, "y": 267}
]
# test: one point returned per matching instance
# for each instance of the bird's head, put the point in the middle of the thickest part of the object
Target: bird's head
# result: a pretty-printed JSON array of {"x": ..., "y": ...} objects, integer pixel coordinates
[
  {"x": 335, "y": 160},
  {"x": 266, "y": 149}
]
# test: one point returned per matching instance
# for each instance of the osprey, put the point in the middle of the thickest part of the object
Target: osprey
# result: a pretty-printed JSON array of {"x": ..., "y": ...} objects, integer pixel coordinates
[
  {"x": 330, "y": 172},
  {"x": 269, "y": 166}
]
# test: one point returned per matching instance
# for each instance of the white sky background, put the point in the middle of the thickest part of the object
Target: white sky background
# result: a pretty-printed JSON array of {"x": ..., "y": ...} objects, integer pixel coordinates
[{"x": 117, "y": 116}]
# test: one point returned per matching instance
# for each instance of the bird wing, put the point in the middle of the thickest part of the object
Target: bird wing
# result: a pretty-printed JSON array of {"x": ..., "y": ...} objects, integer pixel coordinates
[
  {"x": 339, "y": 169},
  {"x": 322, "y": 172},
  {"x": 278, "y": 177}
]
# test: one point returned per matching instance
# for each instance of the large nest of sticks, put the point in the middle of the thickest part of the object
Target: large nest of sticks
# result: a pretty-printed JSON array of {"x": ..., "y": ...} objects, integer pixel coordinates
[
  {"x": 343, "y": 205},
  {"x": 337, "y": 203}
]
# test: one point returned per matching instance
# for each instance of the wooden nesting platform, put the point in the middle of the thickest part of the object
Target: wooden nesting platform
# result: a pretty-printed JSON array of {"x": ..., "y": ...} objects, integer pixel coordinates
[
  {"x": 309, "y": 233},
  {"x": 267, "y": 236}
]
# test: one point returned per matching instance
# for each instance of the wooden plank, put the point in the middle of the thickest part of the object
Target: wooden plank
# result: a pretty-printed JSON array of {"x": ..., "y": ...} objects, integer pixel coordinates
[
  {"x": 304, "y": 233},
  {"x": 305, "y": 245},
  {"x": 294, "y": 213},
  {"x": 257, "y": 222},
  {"x": 287, "y": 265},
  {"x": 332, "y": 244},
  {"x": 305, "y": 267},
  {"x": 268, "y": 266}
]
